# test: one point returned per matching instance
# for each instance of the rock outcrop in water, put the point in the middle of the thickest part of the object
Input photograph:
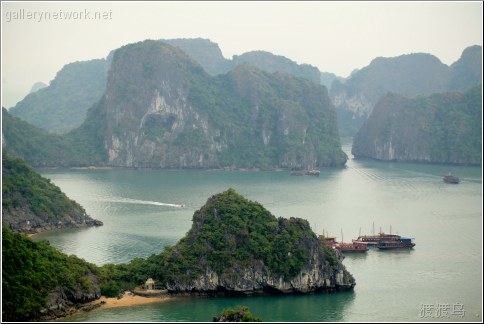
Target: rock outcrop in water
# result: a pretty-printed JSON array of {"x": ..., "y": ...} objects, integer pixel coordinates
[
  {"x": 31, "y": 204},
  {"x": 162, "y": 110},
  {"x": 442, "y": 128},
  {"x": 236, "y": 247}
]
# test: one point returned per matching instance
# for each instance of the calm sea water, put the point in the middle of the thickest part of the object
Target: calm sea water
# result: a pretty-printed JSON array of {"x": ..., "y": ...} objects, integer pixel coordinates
[{"x": 439, "y": 280}]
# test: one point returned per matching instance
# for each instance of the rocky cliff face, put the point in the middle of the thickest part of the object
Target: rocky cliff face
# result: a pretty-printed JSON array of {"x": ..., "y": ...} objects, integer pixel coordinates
[
  {"x": 316, "y": 276},
  {"x": 161, "y": 109},
  {"x": 62, "y": 301},
  {"x": 241, "y": 249},
  {"x": 62, "y": 106},
  {"x": 443, "y": 128},
  {"x": 22, "y": 219},
  {"x": 408, "y": 75}
]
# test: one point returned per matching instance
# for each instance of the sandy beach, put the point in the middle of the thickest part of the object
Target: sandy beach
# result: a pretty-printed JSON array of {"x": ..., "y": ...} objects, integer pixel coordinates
[{"x": 128, "y": 299}]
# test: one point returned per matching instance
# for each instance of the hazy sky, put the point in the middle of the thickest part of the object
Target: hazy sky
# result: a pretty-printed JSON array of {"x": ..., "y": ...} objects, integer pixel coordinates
[{"x": 338, "y": 37}]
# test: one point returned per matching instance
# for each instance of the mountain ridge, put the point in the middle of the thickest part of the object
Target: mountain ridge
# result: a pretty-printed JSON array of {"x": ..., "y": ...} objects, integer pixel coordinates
[
  {"x": 417, "y": 74},
  {"x": 162, "y": 110}
]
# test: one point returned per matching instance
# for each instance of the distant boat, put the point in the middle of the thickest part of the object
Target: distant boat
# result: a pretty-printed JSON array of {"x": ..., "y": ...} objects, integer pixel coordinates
[
  {"x": 451, "y": 179},
  {"x": 372, "y": 240},
  {"x": 308, "y": 172},
  {"x": 313, "y": 172},
  {"x": 402, "y": 243},
  {"x": 351, "y": 247},
  {"x": 344, "y": 247}
]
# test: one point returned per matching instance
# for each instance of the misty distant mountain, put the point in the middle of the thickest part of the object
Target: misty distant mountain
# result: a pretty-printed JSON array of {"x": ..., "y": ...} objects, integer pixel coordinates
[
  {"x": 205, "y": 52},
  {"x": 209, "y": 56},
  {"x": 408, "y": 75},
  {"x": 161, "y": 109},
  {"x": 467, "y": 71},
  {"x": 37, "y": 86},
  {"x": 327, "y": 79},
  {"x": 61, "y": 106},
  {"x": 276, "y": 63}
]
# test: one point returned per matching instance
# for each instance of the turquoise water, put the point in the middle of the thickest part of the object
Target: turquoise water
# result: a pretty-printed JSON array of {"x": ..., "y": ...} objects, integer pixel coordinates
[{"x": 439, "y": 280}]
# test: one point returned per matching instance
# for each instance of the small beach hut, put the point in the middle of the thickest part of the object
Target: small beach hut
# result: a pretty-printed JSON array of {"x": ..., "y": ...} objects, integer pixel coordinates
[{"x": 150, "y": 284}]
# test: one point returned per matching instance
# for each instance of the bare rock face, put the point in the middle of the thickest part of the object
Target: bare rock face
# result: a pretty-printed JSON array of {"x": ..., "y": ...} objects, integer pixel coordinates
[
  {"x": 317, "y": 277},
  {"x": 162, "y": 110}
]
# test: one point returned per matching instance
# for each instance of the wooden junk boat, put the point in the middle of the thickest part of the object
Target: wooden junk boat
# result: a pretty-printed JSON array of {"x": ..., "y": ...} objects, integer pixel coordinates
[
  {"x": 346, "y": 247},
  {"x": 351, "y": 247},
  {"x": 384, "y": 241},
  {"x": 402, "y": 243},
  {"x": 373, "y": 240}
]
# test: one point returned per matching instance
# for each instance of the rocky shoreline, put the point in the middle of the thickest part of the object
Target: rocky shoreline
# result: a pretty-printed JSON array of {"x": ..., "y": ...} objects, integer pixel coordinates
[
  {"x": 142, "y": 297},
  {"x": 22, "y": 220}
]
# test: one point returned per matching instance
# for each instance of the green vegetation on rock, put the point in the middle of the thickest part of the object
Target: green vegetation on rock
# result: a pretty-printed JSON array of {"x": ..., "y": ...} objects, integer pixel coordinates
[
  {"x": 238, "y": 314},
  {"x": 234, "y": 246},
  {"x": 162, "y": 110},
  {"x": 442, "y": 128},
  {"x": 81, "y": 147},
  {"x": 31, "y": 270},
  {"x": 31, "y": 202},
  {"x": 410, "y": 75},
  {"x": 62, "y": 105},
  {"x": 271, "y": 63},
  {"x": 231, "y": 231}
]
